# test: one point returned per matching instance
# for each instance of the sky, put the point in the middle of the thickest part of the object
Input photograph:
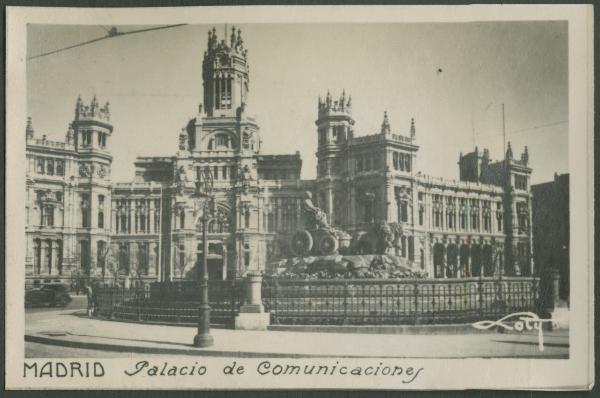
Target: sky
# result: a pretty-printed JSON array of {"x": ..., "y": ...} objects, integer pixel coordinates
[{"x": 153, "y": 81}]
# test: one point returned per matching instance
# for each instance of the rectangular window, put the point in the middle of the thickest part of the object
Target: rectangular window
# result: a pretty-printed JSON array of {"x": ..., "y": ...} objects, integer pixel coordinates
[
  {"x": 359, "y": 164},
  {"x": 246, "y": 254},
  {"x": 100, "y": 211},
  {"x": 123, "y": 223},
  {"x": 143, "y": 258},
  {"x": 404, "y": 212},
  {"x": 39, "y": 168},
  {"x": 48, "y": 215},
  {"x": 124, "y": 258},
  {"x": 50, "y": 167},
  {"x": 368, "y": 211},
  {"x": 421, "y": 214},
  {"x": 60, "y": 168},
  {"x": 101, "y": 255},
  {"x": 216, "y": 172},
  {"x": 85, "y": 211},
  {"x": 84, "y": 252},
  {"x": 224, "y": 172}
]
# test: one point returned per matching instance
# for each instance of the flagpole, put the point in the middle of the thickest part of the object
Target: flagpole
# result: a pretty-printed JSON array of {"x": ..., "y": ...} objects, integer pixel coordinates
[{"x": 503, "y": 130}]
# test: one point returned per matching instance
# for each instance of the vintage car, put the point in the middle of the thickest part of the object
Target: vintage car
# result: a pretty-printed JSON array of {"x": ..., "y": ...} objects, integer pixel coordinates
[{"x": 54, "y": 295}]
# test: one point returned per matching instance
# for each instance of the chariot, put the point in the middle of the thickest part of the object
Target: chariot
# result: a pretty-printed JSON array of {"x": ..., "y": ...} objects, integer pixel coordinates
[{"x": 321, "y": 242}]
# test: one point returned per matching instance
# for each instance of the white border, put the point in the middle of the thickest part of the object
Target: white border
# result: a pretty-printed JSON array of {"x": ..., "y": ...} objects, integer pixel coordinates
[{"x": 576, "y": 372}]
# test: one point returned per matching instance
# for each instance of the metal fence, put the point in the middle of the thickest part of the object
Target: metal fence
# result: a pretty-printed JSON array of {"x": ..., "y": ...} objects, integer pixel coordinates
[
  {"x": 170, "y": 302},
  {"x": 401, "y": 301}
]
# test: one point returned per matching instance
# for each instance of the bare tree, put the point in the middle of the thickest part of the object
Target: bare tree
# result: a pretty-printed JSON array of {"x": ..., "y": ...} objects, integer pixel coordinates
[{"x": 189, "y": 261}]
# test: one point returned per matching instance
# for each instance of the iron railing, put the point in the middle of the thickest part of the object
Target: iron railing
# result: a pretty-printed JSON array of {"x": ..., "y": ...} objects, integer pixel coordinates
[
  {"x": 170, "y": 302},
  {"x": 397, "y": 301}
]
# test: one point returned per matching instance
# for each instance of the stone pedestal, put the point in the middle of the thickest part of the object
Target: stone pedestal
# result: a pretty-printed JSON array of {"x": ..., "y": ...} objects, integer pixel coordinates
[
  {"x": 252, "y": 321},
  {"x": 252, "y": 315}
]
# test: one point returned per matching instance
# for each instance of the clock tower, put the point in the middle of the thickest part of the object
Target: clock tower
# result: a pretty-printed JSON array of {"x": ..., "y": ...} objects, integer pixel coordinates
[{"x": 225, "y": 74}]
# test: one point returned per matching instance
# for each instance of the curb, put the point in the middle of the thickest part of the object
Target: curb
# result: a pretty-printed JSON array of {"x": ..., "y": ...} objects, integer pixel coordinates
[
  {"x": 160, "y": 350},
  {"x": 464, "y": 328},
  {"x": 191, "y": 351}
]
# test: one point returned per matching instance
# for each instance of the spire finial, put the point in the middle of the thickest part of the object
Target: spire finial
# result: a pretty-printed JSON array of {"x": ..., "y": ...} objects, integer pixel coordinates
[
  {"x": 385, "y": 126},
  {"x": 509, "y": 152},
  {"x": 413, "y": 130},
  {"x": 525, "y": 155},
  {"x": 29, "y": 129}
]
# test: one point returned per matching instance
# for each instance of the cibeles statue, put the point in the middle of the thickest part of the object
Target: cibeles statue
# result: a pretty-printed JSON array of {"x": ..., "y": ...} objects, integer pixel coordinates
[
  {"x": 314, "y": 217},
  {"x": 319, "y": 237}
]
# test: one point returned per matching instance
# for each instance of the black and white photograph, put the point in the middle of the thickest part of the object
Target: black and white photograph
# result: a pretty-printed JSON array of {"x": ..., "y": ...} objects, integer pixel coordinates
[{"x": 299, "y": 203}]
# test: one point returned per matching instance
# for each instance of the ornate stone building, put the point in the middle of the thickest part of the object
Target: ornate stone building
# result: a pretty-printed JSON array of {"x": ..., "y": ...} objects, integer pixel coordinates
[
  {"x": 80, "y": 223},
  {"x": 449, "y": 228},
  {"x": 68, "y": 195}
]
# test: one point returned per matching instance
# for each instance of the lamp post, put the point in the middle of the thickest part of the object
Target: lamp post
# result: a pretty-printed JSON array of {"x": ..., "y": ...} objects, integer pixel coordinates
[{"x": 204, "y": 187}]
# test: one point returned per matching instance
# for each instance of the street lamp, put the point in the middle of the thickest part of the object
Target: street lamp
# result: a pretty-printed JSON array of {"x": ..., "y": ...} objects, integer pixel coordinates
[{"x": 204, "y": 187}]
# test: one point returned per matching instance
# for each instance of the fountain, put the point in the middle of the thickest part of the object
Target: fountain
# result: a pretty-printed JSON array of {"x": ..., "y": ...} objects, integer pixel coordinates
[{"x": 325, "y": 252}]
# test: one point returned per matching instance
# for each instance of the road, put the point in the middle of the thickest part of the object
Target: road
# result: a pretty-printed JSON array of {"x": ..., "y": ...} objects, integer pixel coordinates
[
  {"x": 78, "y": 303},
  {"x": 37, "y": 350}
]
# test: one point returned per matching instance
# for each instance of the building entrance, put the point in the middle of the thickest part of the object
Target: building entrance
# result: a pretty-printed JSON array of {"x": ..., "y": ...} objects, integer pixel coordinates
[{"x": 215, "y": 268}]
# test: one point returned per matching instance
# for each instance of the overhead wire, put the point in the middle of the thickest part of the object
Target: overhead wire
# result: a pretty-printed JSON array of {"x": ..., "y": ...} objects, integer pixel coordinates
[{"x": 110, "y": 33}]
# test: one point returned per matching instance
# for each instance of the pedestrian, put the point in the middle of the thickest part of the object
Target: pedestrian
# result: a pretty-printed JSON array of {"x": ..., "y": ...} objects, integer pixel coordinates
[{"x": 90, "y": 300}]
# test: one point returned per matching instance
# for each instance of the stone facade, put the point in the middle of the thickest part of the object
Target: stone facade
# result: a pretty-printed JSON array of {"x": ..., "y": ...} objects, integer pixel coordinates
[{"x": 81, "y": 223}]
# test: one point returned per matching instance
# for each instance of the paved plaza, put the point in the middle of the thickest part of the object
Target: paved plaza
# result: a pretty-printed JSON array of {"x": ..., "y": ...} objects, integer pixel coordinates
[{"x": 68, "y": 332}]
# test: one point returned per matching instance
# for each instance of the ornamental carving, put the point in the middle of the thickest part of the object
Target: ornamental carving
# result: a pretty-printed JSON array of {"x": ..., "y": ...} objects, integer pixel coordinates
[
  {"x": 101, "y": 171},
  {"x": 244, "y": 179},
  {"x": 85, "y": 170}
]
